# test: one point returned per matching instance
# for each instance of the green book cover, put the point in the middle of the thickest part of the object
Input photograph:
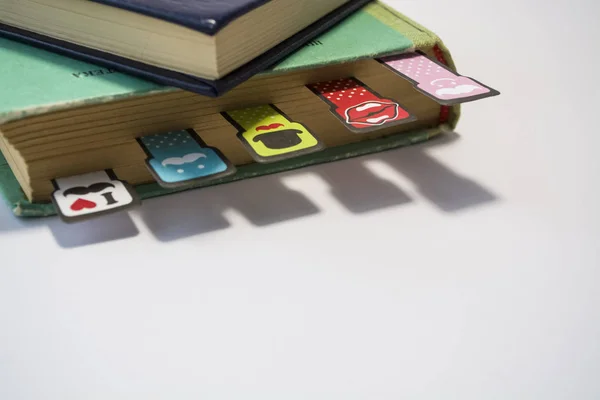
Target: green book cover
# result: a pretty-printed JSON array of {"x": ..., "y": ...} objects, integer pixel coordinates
[{"x": 36, "y": 81}]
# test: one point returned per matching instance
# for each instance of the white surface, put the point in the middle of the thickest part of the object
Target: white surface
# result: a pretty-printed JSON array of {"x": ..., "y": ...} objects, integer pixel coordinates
[{"x": 463, "y": 269}]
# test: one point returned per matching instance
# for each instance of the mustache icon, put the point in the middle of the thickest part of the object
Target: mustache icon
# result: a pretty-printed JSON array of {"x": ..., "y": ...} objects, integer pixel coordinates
[
  {"x": 280, "y": 140},
  {"x": 268, "y": 127},
  {"x": 460, "y": 89},
  {"x": 188, "y": 158},
  {"x": 83, "y": 190}
]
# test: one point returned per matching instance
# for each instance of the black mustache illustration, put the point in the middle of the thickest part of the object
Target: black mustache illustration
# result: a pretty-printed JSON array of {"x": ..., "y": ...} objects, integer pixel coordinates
[
  {"x": 82, "y": 190},
  {"x": 278, "y": 140}
]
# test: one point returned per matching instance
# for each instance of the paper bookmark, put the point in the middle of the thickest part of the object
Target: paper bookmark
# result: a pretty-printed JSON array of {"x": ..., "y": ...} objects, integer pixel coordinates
[
  {"x": 436, "y": 80},
  {"x": 359, "y": 107},
  {"x": 269, "y": 135},
  {"x": 180, "y": 158},
  {"x": 86, "y": 196}
]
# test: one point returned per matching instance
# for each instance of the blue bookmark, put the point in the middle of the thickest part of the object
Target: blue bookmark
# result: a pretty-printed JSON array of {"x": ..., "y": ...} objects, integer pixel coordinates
[{"x": 180, "y": 158}]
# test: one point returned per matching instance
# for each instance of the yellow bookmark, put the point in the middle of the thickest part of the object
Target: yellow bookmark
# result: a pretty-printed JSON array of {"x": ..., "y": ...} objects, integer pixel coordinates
[{"x": 270, "y": 136}]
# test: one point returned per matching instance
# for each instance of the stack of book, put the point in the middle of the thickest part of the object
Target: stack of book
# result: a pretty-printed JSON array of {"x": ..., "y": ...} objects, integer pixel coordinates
[{"x": 105, "y": 103}]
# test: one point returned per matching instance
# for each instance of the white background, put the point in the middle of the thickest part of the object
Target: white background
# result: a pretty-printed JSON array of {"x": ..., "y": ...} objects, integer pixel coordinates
[{"x": 466, "y": 268}]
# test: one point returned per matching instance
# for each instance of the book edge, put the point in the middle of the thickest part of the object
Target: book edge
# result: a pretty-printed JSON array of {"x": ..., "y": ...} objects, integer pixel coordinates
[{"x": 22, "y": 208}]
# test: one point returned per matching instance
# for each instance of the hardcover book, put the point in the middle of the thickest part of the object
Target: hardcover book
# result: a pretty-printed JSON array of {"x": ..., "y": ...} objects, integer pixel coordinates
[
  {"x": 81, "y": 140},
  {"x": 204, "y": 46}
]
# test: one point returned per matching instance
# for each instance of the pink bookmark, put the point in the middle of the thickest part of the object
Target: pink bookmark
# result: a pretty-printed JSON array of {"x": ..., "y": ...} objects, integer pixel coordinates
[{"x": 436, "y": 80}]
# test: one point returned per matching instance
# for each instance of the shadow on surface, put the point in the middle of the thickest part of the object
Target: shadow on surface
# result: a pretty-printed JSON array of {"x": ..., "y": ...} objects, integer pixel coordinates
[
  {"x": 358, "y": 189},
  {"x": 111, "y": 227},
  {"x": 266, "y": 200},
  {"x": 195, "y": 212},
  {"x": 447, "y": 190},
  {"x": 263, "y": 201}
]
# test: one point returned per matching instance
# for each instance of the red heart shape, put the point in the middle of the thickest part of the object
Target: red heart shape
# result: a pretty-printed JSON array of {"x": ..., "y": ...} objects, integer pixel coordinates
[{"x": 80, "y": 204}]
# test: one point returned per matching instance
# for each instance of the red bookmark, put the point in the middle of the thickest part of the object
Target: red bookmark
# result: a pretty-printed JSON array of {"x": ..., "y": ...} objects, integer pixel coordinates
[{"x": 359, "y": 107}]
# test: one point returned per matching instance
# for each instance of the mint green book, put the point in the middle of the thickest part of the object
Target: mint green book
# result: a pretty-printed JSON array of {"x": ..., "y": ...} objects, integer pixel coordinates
[{"x": 61, "y": 117}]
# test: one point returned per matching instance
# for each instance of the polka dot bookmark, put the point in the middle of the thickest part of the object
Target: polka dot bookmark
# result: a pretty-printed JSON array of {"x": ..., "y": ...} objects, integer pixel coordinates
[
  {"x": 360, "y": 108},
  {"x": 270, "y": 136},
  {"x": 436, "y": 80},
  {"x": 180, "y": 158}
]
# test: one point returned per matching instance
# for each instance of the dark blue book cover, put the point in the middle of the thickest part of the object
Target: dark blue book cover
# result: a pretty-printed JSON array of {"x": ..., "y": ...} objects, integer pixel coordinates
[{"x": 206, "y": 16}]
